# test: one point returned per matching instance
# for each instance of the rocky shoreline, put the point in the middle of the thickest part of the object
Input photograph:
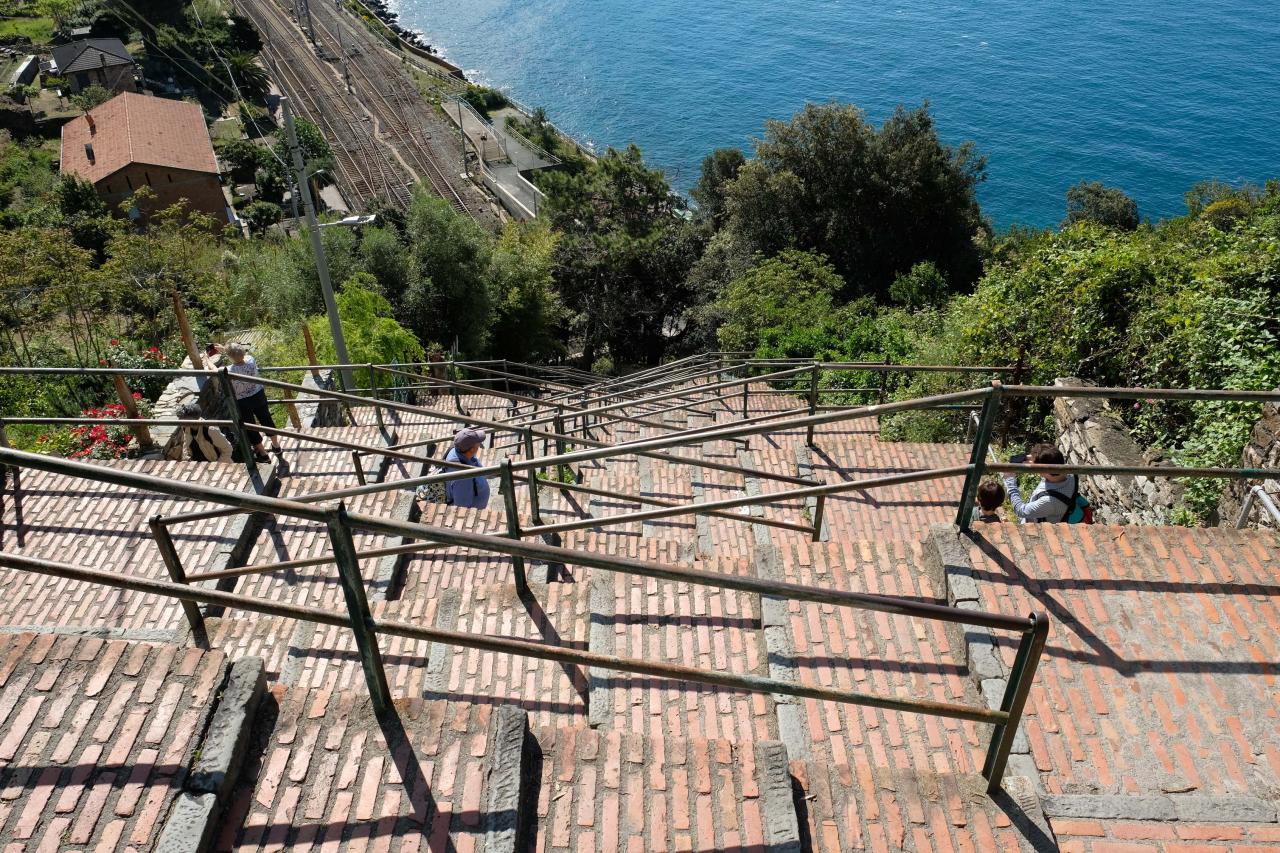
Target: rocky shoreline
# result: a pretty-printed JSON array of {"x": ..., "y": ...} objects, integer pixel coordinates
[{"x": 392, "y": 20}]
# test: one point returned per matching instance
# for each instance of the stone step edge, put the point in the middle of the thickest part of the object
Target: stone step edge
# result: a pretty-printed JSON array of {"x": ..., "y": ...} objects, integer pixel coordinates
[{"x": 197, "y": 812}]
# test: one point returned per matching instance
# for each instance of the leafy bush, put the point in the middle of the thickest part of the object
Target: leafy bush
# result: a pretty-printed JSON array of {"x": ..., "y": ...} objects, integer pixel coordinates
[
  {"x": 1091, "y": 201},
  {"x": 483, "y": 99}
]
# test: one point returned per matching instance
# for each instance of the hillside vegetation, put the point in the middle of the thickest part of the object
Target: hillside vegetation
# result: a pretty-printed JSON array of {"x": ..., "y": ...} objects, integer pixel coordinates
[{"x": 834, "y": 238}]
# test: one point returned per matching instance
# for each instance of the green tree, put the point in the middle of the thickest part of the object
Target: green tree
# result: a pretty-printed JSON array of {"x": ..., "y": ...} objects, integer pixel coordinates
[
  {"x": 143, "y": 268},
  {"x": 874, "y": 201},
  {"x": 372, "y": 334},
  {"x": 1092, "y": 201},
  {"x": 624, "y": 256},
  {"x": 261, "y": 215},
  {"x": 249, "y": 77},
  {"x": 450, "y": 294},
  {"x": 530, "y": 319},
  {"x": 90, "y": 97},
  {"x": 922, "y": 287},
  {"x": 719, "y": 168},
  {"x": 388, "y": 260},
  {"x": 794, "y": 290}
]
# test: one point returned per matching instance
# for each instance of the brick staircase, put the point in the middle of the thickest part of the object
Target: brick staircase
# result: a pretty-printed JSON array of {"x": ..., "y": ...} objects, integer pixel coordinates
[{"x": 1152, "y": 721}]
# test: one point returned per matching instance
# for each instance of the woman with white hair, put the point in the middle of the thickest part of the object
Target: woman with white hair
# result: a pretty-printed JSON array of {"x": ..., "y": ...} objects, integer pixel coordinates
[{"x": 251, "y": 398}]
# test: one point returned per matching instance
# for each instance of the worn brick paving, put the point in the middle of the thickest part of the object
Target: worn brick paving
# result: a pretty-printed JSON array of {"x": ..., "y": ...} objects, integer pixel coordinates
[
  {"x": 883, "y": 654},
  {"x": 1160, "y": 671},
  {"x": 618, "y": 790},
  {"x": 865, "y": 807},
  {"x": 1159, "y": 678},
  {"x": 329, "y": 776},
  {"x": 695, "y": 625},
  {"x": 96, "y": 738},
  {"x": 102, "y": 526}
]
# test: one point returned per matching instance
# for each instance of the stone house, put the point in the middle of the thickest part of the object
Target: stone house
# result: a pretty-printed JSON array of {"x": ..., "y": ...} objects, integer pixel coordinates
[
  {"x": 95, "y": 62},
  {"x": 134, "y": 141}
]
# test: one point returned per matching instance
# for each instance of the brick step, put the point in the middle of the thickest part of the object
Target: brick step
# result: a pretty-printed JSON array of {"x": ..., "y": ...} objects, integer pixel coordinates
[
  {"x": 623, "y": 790},
  {"x": 111, "y": 744},
  {"x": 555, "y": 614},
  {"x": 714, "y": 629},
  {"x": 1158, "y": 680},
  {"x": 327, "y": 772},
  {"x": 875, "y": 652},
  {"x": 865, "y": 806},
  {"x": 102, "y": 526}
]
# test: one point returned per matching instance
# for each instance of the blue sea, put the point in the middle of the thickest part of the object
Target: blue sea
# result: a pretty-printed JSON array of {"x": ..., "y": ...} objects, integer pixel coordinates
[{"x": 1147, "y": 95}]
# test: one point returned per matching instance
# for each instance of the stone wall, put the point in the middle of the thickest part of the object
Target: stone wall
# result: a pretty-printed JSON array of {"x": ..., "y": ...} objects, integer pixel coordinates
[
  {"x": 1090, "y": 434},
  {"x": 1262, "y": 451}
]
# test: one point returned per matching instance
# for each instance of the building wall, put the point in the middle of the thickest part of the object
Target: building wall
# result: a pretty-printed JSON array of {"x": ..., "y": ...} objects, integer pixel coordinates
[
  {"x": 202, "y": 191},
  {"x": 117, "y": 78}
]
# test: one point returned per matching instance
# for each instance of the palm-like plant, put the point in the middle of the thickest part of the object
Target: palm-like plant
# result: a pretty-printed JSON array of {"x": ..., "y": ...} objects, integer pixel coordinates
[{"x": 247, "y": 75}]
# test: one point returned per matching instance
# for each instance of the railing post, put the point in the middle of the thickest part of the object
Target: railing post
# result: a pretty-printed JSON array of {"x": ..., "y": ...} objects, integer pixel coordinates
[
  {"x": 558, "y": 421},
  {"x": 362, "y": 625},
  {"x": 184, "y": 327},
  {"x": 819, "y": 510},
  {"x": 746, "y": 391},
  {"x": 978, "y": 455},
  {"x": 884, "y": 382},
  {"x": 359, "y": 466},
  {"x": 813, "y": 403},
  {"x": 242, "y": 439},
  {"x": 513, "y": 525},
  {"x": 172, "y": 562},
  {"x": 535, "y": 508},
  {"x": 373, "y": 394},
  {"x": 291, "y": 408},
  {"x": 338, "y": 376},
  {"x": 139, "y": 431},
  {"x": 1015, "y": 699}
]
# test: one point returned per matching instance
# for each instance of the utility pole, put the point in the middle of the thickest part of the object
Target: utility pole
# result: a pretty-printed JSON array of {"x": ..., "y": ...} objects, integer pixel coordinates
[
  {"x": 306, "y": 11},
  {"x": 466, "y": 171},
  {"x": 342, "y": 43},
  {"x": 313, "y": 227}
]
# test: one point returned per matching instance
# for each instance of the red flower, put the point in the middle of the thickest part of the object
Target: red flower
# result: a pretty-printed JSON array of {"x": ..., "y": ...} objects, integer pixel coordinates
[{"x": 115, "y": 343}]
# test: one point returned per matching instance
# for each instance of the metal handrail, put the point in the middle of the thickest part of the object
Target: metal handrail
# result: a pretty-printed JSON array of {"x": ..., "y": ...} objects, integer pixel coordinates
[
  {"x": 340, "y": 523},
  {"x": 523, "y": 648}
]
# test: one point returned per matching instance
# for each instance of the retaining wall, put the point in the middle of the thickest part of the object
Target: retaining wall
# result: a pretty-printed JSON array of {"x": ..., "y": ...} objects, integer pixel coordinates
[
  {"x": 1090, "y": 434},
  {"x": 1262, "y": 451}
]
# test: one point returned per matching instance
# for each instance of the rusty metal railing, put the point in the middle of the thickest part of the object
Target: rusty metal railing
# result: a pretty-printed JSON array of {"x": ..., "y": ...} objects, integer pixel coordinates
[{"x": 367, "y": 629}]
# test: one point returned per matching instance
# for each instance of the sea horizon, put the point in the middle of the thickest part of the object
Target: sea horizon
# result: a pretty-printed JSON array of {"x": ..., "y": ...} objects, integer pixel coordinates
[{"x": 1152, "y": 98}]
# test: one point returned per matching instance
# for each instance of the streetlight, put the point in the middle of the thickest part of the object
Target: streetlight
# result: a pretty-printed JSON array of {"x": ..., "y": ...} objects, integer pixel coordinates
[{"x": 352, "y": 221}]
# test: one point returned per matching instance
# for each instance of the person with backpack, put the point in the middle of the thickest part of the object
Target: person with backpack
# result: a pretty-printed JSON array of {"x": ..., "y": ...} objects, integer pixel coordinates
[
  {"x": 1056, "y": 498},
  {"x": 202, "y": 443},
  {"x": 471, "y": 492}
]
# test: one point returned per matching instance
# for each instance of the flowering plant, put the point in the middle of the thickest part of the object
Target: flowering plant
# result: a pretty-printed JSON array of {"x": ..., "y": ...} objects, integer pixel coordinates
[{"x": 95, "y": 441}]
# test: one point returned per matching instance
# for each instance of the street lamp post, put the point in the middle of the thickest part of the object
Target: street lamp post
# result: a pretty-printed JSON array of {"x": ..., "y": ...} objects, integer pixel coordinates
[{"x": 322, "y": 263}]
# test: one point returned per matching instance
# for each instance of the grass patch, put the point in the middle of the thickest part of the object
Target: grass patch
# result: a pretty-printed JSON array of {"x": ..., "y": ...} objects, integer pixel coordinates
[{"x": 39, "y": 30}]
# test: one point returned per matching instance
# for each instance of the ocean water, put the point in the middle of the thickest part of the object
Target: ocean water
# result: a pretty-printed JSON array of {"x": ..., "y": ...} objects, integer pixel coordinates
[{"x": 1147, "y": 95}]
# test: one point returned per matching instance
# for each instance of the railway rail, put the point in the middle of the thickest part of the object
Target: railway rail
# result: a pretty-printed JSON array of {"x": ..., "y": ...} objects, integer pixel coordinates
[
  {"x": 385, "y": 136},
  {"x": 363, "y": 170},
  {"x": 402, "y": 113}
]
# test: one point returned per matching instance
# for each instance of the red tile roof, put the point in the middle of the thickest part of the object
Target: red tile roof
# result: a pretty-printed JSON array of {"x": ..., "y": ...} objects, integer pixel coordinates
[{"x": 133, "y": 128}]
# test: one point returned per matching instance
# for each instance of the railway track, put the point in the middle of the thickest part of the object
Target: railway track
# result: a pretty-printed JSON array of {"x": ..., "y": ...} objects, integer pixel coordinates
[
  {"x": 385, "y": 136},
  {"x": 403, "y": 115},
  {"x": 365, "y": 169}
]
